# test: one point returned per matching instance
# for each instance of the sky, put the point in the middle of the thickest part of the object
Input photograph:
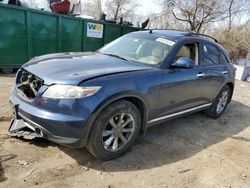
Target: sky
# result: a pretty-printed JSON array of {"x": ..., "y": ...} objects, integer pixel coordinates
[{"x": 147, "y": 6}]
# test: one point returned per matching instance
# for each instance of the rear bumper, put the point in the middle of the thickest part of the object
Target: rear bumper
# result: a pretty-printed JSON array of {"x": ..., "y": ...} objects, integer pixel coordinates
[{"x": 56, "y": 126}]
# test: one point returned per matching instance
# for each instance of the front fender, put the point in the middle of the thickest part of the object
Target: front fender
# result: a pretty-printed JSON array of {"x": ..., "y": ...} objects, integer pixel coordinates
[{"x": 108, "y": 101}]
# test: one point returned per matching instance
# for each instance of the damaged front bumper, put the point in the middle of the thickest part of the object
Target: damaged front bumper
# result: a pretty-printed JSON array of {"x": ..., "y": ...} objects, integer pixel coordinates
[
  {"x": 23, "y": 127},
  {"x": 31, "y": 121},
  {"x": 20, "y": 128}
]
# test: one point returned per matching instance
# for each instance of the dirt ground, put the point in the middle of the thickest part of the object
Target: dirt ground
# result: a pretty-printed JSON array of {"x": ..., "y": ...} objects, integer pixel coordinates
[{"x": 193, "y": 151}]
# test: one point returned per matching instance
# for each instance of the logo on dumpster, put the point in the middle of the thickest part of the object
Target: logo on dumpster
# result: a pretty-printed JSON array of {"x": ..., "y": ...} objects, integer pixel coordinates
[{"x": 94, "y": 30}]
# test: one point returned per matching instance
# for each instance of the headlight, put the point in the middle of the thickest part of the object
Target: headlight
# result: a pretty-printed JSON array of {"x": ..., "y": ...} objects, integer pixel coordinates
[{"x": 69, "y": 92}]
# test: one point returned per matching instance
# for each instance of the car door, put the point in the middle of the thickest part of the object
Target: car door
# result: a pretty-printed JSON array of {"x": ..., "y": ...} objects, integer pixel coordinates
[
  {"x": 215, "y": 70},
  {"x": 181, "y": 88}
]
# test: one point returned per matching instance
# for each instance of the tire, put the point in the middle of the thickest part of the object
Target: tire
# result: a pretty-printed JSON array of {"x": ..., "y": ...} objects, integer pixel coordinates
[
  {"x": 104, "y": 140},
  {"x": 213, "y": 111}
]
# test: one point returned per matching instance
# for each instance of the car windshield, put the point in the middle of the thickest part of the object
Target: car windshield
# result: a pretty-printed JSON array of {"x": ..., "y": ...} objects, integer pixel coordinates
[{"x": 142, "y": 49}]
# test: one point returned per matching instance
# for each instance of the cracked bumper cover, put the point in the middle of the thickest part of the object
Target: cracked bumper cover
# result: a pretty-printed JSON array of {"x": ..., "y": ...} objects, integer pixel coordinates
[
  {"x": 27, "y": 130},
  {"x": 31, "y": 121}
]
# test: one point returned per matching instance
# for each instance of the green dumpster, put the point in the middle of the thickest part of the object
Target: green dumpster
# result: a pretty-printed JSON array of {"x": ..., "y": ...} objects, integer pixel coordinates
[{"x": 25, "y": 33}]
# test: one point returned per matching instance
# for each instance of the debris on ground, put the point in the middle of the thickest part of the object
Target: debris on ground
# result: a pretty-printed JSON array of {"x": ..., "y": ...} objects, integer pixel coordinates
[
  {"x": 28, "y": 173},
  {"x": 184, "y": 171},
  {"x": 23, "y": 163}
]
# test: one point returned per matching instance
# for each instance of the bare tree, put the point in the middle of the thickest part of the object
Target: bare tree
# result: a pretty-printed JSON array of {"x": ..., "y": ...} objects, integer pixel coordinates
[
  {"x": 121, "y": 8},
  {"x": 235, "y": 41},
  {"x": 236, "y": 10},
  {"x": 198, "y": 13},
  {"x": 92, "y": 8}
]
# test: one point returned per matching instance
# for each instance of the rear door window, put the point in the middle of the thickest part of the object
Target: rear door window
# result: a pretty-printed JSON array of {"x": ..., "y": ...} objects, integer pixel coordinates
[{"x": 210, "y": 55}]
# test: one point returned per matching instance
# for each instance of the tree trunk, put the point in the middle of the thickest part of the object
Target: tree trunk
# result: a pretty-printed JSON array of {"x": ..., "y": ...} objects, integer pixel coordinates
[
  {"x": 230, "y": 15},
  {"x": 99, "y": 4},
  {"x": 116, "y": 12}
]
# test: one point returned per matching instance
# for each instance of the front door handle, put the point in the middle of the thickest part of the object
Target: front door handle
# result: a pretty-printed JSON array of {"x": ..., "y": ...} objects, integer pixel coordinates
[
  {"x": 224, "y": 72},
  {"x": 200, "y": 74}
]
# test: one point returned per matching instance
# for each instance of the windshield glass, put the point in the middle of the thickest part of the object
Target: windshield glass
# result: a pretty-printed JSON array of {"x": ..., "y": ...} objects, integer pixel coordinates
[{"x": 148, "y": 50}]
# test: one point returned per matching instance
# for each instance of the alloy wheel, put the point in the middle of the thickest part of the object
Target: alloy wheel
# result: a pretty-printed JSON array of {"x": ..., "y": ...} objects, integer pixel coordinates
[
  {"x": 118, "y": 132},
  {"x": 222, "y": 102}
]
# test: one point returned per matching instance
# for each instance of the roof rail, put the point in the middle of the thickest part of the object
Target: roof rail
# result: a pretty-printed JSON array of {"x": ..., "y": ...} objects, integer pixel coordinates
[
  {"x": 203, "y": 35},
  {"x": 184, "y": 31},
  {"x": 188, "y": 33}
]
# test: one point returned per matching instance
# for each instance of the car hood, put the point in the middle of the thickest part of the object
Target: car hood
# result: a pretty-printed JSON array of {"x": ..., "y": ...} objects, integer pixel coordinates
[{"x": 73, "y": 68}]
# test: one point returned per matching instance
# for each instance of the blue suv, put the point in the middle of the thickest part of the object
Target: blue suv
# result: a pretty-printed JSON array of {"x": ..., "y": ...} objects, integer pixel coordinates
[{"x": 104, "y": 100}]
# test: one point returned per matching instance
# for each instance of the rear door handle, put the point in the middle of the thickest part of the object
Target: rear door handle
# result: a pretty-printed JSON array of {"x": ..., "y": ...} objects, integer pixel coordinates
[
  {"x": 201, "y": 74},
  {"x": 224, "y": 72}
]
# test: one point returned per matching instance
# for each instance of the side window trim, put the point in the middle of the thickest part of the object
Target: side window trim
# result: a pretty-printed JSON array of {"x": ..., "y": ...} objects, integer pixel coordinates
[
  {"x": 197, "y": 54},
  {"x": 200, "y": 53},
  {"x": 223, "y": 56}
]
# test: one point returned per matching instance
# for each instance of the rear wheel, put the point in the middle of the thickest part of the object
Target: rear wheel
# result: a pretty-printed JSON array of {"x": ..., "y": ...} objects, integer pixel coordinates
[
  {"x": 220, "y": 103},
  {"x": 114, "y": 130}
]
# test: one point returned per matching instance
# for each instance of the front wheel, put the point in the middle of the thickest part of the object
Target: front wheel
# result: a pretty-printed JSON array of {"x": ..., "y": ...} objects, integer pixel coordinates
[
  {"x": 220, "y": 103},
  {"x": 114, "y": 130}
]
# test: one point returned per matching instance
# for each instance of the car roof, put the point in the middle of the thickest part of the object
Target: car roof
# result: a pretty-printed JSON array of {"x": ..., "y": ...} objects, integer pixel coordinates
[
  {"x": 175, "y": 34},
  {"x": 170, "y": 34}
]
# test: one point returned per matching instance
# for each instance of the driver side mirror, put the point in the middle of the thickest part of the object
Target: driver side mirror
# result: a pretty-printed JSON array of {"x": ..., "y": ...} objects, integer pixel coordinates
[{"x": 183, "y": 62}]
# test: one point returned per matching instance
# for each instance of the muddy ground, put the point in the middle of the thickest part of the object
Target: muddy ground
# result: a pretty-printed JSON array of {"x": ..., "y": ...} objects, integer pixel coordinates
[{"x": 193, "y": 151}]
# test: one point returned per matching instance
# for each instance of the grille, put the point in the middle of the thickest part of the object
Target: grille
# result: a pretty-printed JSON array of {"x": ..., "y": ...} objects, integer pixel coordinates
[{"x": 29, "y": 84}]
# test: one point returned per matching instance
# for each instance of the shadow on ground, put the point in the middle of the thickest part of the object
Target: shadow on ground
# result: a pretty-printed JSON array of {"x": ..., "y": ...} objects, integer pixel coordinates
[
  {"x": 169, "y": 142},
  {"x": 11, "y": 75},
  {"x": 2, "y": 159}
]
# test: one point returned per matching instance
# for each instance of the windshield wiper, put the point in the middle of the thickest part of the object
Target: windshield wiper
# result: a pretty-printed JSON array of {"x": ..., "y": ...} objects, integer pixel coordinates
[{"x": 117, "y": 56}]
